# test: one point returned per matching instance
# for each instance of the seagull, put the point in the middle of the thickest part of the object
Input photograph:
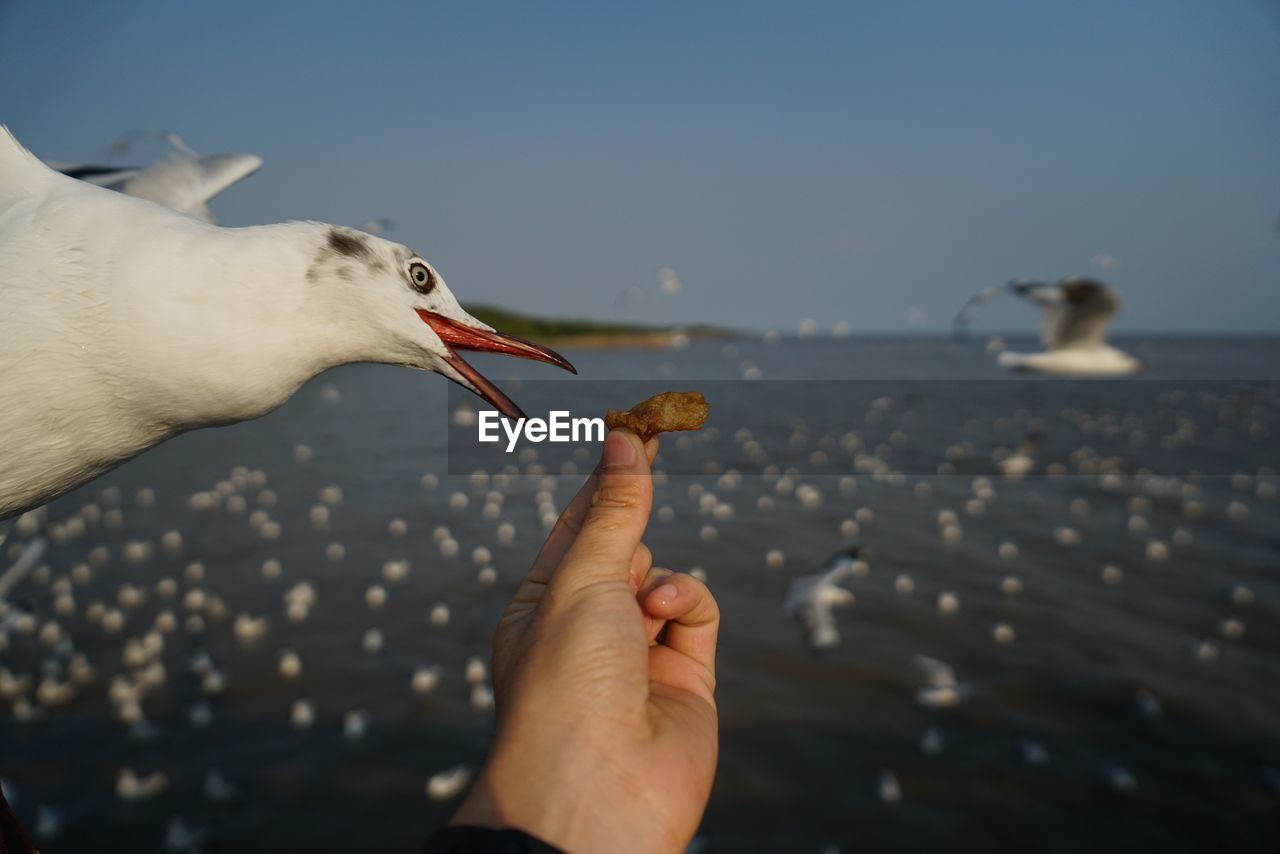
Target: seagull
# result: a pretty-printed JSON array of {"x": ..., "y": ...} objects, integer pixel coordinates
[
  {"x": 218, "y": 788},
  {"x": 1022, "y": 461},
  {"x": 14, "y": 575},
  {"x": 130, "y": 787},
  {"x": 380, "y": 225},
  {"x": 10, "y": 613},
  {"x": 629, "y": 294},
  {"x": 124, "y": 323},
  {"x": 181, "y": 837},
  {"x": 1075, "y": 314},
  {"x": 940, "y": 689},
  {"x": 811, "y": 600},
  {"x": 185, "y": 182}
]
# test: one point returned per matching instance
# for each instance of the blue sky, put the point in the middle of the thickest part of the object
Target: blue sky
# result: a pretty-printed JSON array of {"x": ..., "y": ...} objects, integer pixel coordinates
[{"x": 840, "y": 161}]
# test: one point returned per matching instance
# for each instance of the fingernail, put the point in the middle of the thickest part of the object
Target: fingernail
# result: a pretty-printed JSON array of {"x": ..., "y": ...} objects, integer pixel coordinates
[
  {"x": 666, "y": 593},
  {"x": 619, "y": 452}
]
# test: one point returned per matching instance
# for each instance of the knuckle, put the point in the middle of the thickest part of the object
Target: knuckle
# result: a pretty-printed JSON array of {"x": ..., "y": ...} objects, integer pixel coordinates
[
  {"x": 623, "y": 492},
  {"x": 606, "y": 524},
  {"x": 571, "y": 522},
  {"x": 653, "y": 579}
]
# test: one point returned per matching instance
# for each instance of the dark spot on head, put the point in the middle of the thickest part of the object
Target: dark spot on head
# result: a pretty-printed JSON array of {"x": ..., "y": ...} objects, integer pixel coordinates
[
  {"x": 349, "y": 244},
  {"x": 1080, "y": 290}
]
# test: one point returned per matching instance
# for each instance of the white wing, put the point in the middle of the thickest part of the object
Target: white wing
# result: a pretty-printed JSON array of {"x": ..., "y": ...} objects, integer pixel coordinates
[
  {"x": 937, "y": 673},
  {"x": 1044, "y": 295},
  {"x": 186, "y": 184},
  {"x": 965, "y": 316},
  {"x": 811, "y": 599},
  {"x": 1074, "y": 313},
  {"x": 183, "y": 183},
  {"x": 14, "y": 575},
  {"x": 1049, "y": 298}
]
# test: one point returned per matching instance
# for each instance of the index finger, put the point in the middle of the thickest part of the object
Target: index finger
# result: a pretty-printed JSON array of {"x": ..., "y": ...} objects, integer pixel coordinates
[{"x": 692, "y": 615}]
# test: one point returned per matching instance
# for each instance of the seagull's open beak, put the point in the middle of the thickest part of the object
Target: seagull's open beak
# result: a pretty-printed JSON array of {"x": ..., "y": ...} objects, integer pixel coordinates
[{"x": 457, "y": 336}]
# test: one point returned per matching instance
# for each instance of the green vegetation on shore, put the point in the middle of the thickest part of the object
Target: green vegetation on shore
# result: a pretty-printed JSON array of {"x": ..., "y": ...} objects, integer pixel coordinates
[{"x": 577, "y": 330}]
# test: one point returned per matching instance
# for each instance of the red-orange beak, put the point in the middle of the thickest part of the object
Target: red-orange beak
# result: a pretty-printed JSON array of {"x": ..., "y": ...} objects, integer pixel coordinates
[{"x": 457, "y": 336}]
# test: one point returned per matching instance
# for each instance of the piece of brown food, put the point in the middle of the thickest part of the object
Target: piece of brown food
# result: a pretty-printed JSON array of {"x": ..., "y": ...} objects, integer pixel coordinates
[{"x": 662, "y": 413}]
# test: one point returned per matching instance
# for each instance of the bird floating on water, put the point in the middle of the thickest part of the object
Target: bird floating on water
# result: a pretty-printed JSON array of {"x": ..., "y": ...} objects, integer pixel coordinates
[
  {"x": 1075, "y": 314},
  {"x": 941, "y": 689},
  {"x": 124, "y": 323},
  {"x": 1021, "y": 462}
]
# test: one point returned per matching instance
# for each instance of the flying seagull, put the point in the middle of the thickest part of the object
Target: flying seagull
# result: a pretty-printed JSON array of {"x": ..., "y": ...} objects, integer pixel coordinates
[
  {"x": 185, "y": 182},
  {"x": 1075, "y": 313},
  {"x": 124, "y": 323},
  {"x": 14, "y": 575},
  {"x": 812, "y": 599},
  {"x": 381, "y": 225}
]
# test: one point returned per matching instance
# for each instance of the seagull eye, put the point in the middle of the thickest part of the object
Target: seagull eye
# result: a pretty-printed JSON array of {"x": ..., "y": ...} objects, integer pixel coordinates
[{"x": 422, "y": 278}]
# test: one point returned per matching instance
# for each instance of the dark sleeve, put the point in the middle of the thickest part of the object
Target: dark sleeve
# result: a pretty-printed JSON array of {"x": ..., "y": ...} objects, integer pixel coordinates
[
  {"x": 482, "y": 840},
  {"x": 14, "y": 840}
]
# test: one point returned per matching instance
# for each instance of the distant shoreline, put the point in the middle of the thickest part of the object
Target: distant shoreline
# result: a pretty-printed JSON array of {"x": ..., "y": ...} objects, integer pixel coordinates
[
  {"x": 627, "y": 340},
  {"x": 585, "y": 334}
]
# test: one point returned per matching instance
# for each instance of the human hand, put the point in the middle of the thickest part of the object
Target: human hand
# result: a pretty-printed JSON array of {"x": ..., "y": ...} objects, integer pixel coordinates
[{"x": 604, "y": 676}]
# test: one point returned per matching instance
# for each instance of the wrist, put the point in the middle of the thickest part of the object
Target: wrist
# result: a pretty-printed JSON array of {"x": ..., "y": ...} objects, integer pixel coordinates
[
  {"x": 562, "y": 806},
  {"x": 480, "y": 808},
  {"x": 521, "y": 798}
]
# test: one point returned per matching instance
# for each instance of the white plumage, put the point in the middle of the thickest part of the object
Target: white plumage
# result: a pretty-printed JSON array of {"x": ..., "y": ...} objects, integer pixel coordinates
[
  {"x": 812, "y": 600},
  {"x": 1021, "y": 462},
  {"x": 940, "y": 689},
  {"x": 1075, "y": 313},
  {"x": 123, "y": 323},
  {"x": 13, "y": 576}
]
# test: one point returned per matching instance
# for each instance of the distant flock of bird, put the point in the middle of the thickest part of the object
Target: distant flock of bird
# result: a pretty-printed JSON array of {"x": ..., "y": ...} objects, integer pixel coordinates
[{"x": 133, "y": 630}]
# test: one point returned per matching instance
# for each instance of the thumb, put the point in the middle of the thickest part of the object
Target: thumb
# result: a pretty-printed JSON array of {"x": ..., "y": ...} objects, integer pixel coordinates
[{"x": 614, "y": 521}]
